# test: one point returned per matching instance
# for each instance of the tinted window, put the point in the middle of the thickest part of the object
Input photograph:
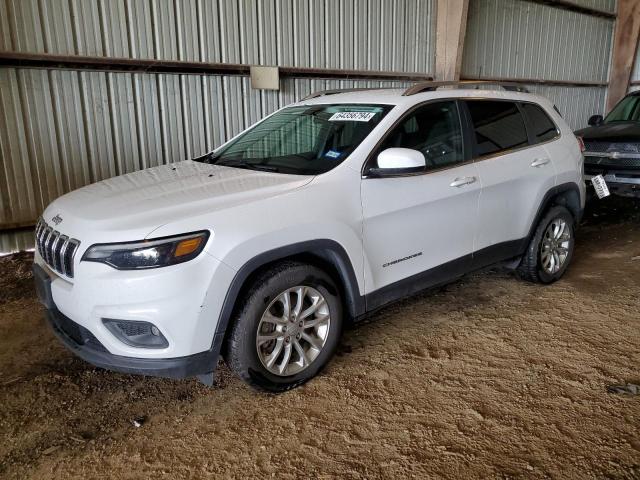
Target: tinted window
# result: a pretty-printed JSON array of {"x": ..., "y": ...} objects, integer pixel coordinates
[
  {"x": 498, "y": 126},
  {"x": 542, "y": 126},
  {"x": 433, "y": 129}
]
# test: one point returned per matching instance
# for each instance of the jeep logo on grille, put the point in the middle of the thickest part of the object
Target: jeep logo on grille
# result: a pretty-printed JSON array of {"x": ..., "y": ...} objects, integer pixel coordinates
[{"x": 57, "y": 219}]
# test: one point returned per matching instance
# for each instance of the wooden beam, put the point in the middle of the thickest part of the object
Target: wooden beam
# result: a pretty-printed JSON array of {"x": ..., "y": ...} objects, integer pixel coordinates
[
  {"x": 451, "y": 26},
  {"x": 625, "y": 46}
]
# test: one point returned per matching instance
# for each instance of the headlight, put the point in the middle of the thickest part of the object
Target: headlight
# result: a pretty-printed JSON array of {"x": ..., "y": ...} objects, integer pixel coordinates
[{"x": 158, "y": 252}]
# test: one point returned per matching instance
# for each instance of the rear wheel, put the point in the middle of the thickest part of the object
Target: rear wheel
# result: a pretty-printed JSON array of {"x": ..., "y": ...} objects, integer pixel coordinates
[
  {"x": 286, "y": 329},
  {"x": 551, "y": 248}
]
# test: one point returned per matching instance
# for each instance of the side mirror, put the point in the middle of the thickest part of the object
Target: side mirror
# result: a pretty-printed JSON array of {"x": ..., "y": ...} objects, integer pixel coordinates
[
  {"x": 595, "y": 120},
  {"x": 398, "y": 161}
]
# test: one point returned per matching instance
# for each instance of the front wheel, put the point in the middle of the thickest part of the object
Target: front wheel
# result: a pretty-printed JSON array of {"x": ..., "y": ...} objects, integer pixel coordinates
[
  {"x": 551, "y": 248},
  {"x": 286, "y": 329}
]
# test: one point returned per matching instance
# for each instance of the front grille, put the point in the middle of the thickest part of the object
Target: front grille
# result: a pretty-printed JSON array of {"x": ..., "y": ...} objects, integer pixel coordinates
[
  {"x": 607, "y": 147},
  {"x": 56, "y": 250},
  {"x": 612, "y": 162},
  {"x": 620, "y": 173}
]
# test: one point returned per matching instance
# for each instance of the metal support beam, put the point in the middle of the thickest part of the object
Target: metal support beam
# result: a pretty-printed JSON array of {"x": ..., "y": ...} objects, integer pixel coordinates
[
  {"x": 76, "y": 62},
  {"x": 451, "y": 26},
  {"x": 625, "y": 45},
  {"x": 538, "y": 81},
  {"x": 9, "y": 226},
  {"x": 574, "y": 7}
]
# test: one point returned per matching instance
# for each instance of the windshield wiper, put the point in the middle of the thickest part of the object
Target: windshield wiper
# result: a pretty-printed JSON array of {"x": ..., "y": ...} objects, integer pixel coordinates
[
  {"x": 206, "y": 158},
  {"x": 249, "y": 166}
]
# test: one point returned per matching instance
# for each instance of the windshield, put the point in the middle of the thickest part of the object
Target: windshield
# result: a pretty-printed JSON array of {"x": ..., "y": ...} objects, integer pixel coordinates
[
  {"x": 628, "y": 110},
  {"x": 304, "y": 140}
]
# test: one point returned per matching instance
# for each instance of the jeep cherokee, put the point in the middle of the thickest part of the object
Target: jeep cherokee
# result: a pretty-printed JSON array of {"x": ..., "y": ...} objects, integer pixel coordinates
[{"x": 319, "y": 214}]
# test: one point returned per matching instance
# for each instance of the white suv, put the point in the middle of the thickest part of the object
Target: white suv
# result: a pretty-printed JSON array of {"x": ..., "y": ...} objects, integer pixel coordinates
[{"x": 320, "y": 213}]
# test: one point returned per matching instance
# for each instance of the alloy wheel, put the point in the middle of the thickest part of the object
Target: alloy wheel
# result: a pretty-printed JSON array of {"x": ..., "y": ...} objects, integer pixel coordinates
[
  {"x": 293, "y": 330},
  {"x": 554, "y": 247}
]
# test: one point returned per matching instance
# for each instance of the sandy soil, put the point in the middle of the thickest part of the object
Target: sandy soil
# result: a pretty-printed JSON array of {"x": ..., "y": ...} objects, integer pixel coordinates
[{"x": 488, "y": 377}]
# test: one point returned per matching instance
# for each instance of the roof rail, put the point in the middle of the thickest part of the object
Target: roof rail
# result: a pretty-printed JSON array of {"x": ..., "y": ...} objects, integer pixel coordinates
[
  {"x": 322, "y": 93},
  {"x": 431, "y": 86}
]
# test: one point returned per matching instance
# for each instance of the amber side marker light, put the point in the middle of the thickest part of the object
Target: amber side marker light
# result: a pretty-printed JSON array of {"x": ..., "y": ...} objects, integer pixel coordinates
[{"x": 188, "y": 246}]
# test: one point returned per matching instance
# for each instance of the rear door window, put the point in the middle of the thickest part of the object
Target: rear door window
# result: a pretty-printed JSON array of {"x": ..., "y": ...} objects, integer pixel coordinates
[
  {"x": 497, "y": 126},
  {"x": 542, "y": 127}
]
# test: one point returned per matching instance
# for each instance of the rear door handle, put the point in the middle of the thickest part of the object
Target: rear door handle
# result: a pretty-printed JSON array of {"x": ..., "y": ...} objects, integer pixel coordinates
[
  {"x": 462, "y": 181},
  {"x": 539, "y": 162}
]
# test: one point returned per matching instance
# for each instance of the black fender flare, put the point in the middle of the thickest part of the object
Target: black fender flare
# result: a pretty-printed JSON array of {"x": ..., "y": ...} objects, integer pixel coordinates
[
  {"x": 327, "y": 250},
  {"x": 547, "y": 201}
]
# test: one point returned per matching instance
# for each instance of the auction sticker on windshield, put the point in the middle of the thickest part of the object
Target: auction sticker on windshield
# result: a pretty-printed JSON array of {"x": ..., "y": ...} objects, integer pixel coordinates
[
  {"x": 332, "y": 154},
  {"x": 352, "y": 116}
]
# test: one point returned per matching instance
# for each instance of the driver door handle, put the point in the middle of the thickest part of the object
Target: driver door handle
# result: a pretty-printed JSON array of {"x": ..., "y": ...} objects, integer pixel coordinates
[
  {"x": 462, "y": 181},
  {"x": 539, "y": 162}
]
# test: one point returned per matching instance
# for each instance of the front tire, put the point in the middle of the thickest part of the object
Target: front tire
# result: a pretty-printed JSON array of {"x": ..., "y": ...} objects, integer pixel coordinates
[
  {"x": 286, "y": 328},
  {"x": 551, "y": 248}
]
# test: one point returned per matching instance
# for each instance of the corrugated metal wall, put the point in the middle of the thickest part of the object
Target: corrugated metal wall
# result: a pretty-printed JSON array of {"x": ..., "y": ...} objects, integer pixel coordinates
[
  {"x": 16, "y": 241},
  {"x": 60, "y": 130},
  {"x": 526, "y": 40},
  {"x": 520, "y": 39},
  {"x": 387, "y": 35},
  {"x": 576, "y": 104}
]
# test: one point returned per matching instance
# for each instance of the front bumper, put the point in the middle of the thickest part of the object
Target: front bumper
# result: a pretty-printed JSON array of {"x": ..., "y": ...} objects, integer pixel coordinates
[
  {"x": 82, "y": 343},
  {"x": 85, "y": 345},
  {"x": 621, "y": 181}
]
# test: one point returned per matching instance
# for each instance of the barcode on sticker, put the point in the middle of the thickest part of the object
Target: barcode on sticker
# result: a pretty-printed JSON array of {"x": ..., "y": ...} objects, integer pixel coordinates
[
  {"x": 352, "y": 116},
  {"x": 600, "y": 186}
]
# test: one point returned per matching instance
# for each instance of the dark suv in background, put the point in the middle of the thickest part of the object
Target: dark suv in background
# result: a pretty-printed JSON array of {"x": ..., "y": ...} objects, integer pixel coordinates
[{"x": 612, "y": 147}]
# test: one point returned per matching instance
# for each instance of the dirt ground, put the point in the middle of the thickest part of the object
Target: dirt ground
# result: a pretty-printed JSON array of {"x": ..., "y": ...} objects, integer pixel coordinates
[{"x": 487, "y": 377}]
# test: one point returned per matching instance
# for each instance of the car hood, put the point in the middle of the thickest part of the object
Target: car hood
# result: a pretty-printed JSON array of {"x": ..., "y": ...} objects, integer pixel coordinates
[
  {"x": 131, "y": 206},
  {"x": 612, "y": 132}
]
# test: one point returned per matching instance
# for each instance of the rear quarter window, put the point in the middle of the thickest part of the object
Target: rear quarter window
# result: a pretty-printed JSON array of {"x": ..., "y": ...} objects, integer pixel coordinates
[
  {"x": 497, "y": 126},
  {"x": 542, "y": 127}
]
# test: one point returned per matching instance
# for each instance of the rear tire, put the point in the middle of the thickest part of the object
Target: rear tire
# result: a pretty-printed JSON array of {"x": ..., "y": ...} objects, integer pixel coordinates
[
  {"x": 551, "y": 248},
  {"x": 286, "y": 328}
]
